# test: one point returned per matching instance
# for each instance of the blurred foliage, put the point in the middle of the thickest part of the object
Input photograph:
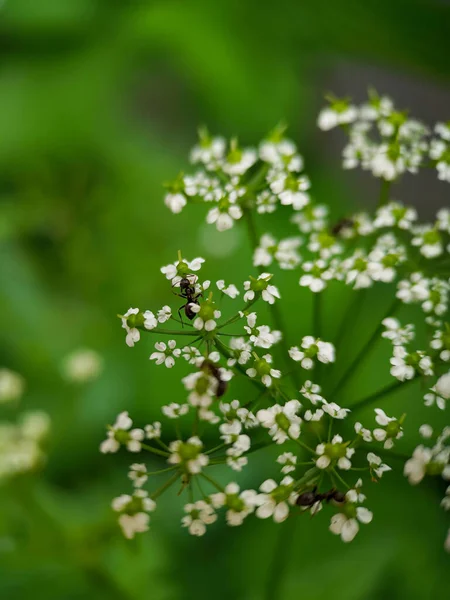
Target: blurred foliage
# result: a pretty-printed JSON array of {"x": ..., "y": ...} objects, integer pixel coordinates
[{"x": 99, "y": 102}]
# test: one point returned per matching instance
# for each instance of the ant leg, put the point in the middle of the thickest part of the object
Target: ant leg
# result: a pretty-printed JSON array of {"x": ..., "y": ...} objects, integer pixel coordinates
[{"x": 180, "y": 315}]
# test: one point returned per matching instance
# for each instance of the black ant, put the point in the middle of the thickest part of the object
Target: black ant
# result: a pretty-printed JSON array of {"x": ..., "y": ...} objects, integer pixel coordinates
[
  {"x": 308, "y": 499},
  {"x": 214, "y": 371},
  {"x": 341, "y": 225},
  {"x": 189, "y": 293}
]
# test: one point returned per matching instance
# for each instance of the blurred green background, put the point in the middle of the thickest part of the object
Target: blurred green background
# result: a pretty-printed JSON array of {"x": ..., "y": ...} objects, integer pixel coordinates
[{"x": 99, "y": 104}]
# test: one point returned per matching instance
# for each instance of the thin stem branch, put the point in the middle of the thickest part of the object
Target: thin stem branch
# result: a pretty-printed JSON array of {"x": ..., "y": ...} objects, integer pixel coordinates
[
  {"x": 384, "y": 192},
  {"x": 365, "y": 402},
  {"x": 274, "y": 308},
  {"x": 212, "y": 482},
  {"x": 280, "y": 560},
  {"x": 155, "y": 450},
  {"x": 165, "y": 486},
  {"x": 192, "y": 332},
  {"x": 362, "y": 354},
  {"x": 317, "y": 314}
]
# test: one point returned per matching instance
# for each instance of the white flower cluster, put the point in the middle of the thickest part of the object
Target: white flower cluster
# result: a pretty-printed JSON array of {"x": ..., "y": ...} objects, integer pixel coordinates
[
  {"x": 431, "y": 461},
  {"x": 381, "y": 139},
  {"x": 218, "y": 344},
  {"x": 22, "y": 443}
]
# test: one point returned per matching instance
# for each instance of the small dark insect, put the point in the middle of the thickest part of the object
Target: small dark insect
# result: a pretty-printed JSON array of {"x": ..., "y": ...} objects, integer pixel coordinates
[
  {"x": 189, "y": 293},
  {"x": 341, "y": 225},
  {"x": 310, "y": 497},
  {"x": 211, "y": 368}
]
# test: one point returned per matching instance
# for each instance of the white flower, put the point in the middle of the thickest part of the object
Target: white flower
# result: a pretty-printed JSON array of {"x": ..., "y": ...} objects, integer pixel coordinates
[
  {"x": 192, "y": 355},
  {"x": 348, "y": 526},
  {"x": 121, "y": 433},
  {"x": 231, "y": 434},
  {"x": 376, "y": 465},
  {"x": 442, "y": 386},
  {"x": 12, "y": 386},
  {"x": 175, "y": 410},
  {"x": 447, "y": 542},
  {"x": 415, "y": 468},
  {"x": 261, "y": 336},
  {"x": 224, "y": 215},
  {"x": 366, "y": 434},
  {"x": 426, "y": 431},
  {"x": 175, "y": 202},
  {"x": 181, "y": 268},
  {"x": 336, "y": 114},
  {"x": 445, "y": 502},
  {"x": 150, "y": 321},
  {"x": 282, "y": 422},
  {"x": 386, "y": 166},
  {"x": 202, "y": 387},
  {"x": 210, "y": 151},
  {"x": 207, "y": 316},
  {"x": 390, "y": 430},
  {"x": 153, "y": 430},
  {"x": 261, "y": 285},
  {"x": 230, "y": 290},
  {"x": 396, "y": 333},
  {"x": 199, "y": 514},
  {"x": 266, "y": 202},
  {"x": 239, "y": 504},
  {"x": 262, "y": 367},
  {"x": 312, "y": 218},
  {"x": 164, "y": 314},
  {"x": 236, "y": 462},
  {"x": 290, "y": 189},
  {"x": 334, "y": 453},
  {"x": 283, "y": 252},
  {"x": 138, "y": 474},
  {"x": 277, "y": 150},
  {"x": 133, "y": 334},
  {"x": 317, "y": 274},
  {"x": 434, "y": 398},
  {"x": 312, "y": 348},
  {"x": 289, "y": 462},
  {"x": 275, "y": 499},
  {"x": 239, "y": 161},
  {"x": 188, "y": 455},
  {"x": 166, "y": 353},
  {"x": 414, "y": 290},
  {"x": 395, "y": 214},
  {"x": 400, "y": 368},
  {"x": 334, "y": 410},
  {"x": 428, "y": 239},
  {"x": 311, "y": 391},
  {"x": 133, "y": 512},
  {"x": 242, "y": 351},
  {"x": 80, "y": 366}
]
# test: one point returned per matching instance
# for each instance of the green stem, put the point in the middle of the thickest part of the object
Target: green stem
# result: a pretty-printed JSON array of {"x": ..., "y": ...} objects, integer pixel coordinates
[
  {"x": 192, "y": 332},
  {"x": 280, "y": 560},
  {"x": 317, "y": 310},
  {"x": 353, "y": 309},
  {"x": 274, "y": 308},
  {"x": 362, "y": 354},
  {"x": 339, "y": 478},
  {"x": 237, "y": 316},
  {"x": 165, "y": 486},
  {"x": 227, "y": 354},
  {"x": 365, "y": 402},
  {"x": 161, "y": 471},
  {"x": 212, "y": 482},
  {"x": 384, "y": 192},
  {"x": 155, "y": 450}
]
